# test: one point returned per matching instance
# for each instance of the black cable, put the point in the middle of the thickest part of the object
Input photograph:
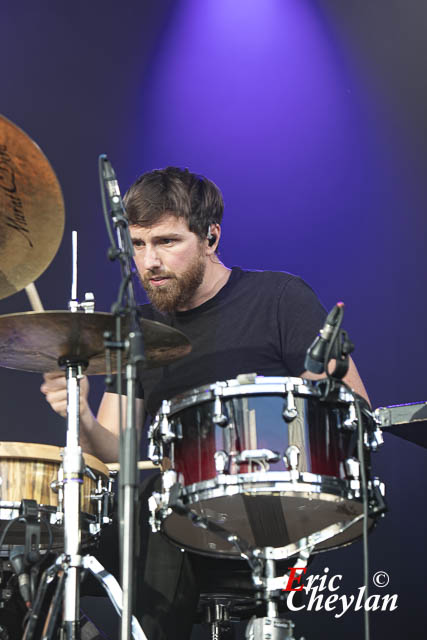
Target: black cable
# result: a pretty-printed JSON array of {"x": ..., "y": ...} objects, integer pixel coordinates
[
  {"x": 7, "y": 527},
  {"x": 41, "y": 559},
  {"x": 50, "y": 542},
  {"x": 361, "y": 457},
  {"x": 22, "y": 519}
]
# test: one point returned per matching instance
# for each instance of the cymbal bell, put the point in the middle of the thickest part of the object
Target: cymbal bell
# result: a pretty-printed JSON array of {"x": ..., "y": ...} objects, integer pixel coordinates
[
  {"x": 31, "y": 210},
  {"x": 33, "y": 341}
]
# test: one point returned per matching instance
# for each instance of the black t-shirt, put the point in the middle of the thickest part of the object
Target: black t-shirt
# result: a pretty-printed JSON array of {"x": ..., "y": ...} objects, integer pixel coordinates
[{"x": 260, "y": 322}]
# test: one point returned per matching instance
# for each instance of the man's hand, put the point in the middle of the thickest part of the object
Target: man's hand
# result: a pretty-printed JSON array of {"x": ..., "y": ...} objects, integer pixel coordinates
[
  {"x": 99, "y": 437},
  {"x": 54, "y": 388}
]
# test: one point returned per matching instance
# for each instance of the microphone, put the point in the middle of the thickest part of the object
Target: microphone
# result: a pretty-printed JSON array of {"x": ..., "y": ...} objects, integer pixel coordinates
[
  {"x": 112, "y": 187},
  {"x": 315, "y": 356},
  {"x": 17, "y": 560}
]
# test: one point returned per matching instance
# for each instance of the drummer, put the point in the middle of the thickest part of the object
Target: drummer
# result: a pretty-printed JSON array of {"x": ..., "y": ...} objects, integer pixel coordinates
[{"x": 238, "y": 321}]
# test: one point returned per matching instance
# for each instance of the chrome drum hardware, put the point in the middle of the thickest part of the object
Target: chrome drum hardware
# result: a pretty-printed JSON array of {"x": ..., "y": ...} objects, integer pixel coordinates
[{"x": 268, "y": 459}]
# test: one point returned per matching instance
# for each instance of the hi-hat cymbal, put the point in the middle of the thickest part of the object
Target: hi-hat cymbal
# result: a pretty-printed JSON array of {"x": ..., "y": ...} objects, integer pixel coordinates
[
  {"x": 31, "y": 210},
  {"x": 36, "y": 341}
]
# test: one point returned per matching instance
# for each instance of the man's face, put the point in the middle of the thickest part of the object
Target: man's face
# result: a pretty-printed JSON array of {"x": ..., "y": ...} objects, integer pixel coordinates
[{"x": 170, "y": 260}]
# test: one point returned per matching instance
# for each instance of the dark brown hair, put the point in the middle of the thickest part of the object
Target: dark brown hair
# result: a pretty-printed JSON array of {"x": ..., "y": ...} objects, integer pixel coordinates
[{"x": 176, "y": 191}]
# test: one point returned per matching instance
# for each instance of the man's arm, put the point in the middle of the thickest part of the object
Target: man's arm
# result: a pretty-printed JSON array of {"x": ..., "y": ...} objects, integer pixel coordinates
[
  {"x": 98, "y": 436},
  {"x": 351, "y": 378}
]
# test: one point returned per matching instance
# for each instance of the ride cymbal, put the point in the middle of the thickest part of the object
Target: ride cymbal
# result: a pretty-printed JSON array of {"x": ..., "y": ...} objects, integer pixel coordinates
[
  {"x": 34, "y": 341},
  {"x": 31, "y": 210}
]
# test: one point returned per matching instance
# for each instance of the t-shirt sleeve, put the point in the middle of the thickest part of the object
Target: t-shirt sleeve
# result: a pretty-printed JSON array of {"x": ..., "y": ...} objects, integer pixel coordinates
[{"x": 300, "y": 317}]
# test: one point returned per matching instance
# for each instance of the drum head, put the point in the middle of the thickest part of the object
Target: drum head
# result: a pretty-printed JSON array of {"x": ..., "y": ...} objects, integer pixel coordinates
[{"x": 266, "y": 511}]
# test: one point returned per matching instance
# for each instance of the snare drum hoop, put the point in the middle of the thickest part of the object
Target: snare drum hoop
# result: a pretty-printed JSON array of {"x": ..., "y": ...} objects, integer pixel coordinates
[
  {"x": 283, "y": 483},
  {"x": 235, "y": 387},
  {"x": 258, "y": 385}
]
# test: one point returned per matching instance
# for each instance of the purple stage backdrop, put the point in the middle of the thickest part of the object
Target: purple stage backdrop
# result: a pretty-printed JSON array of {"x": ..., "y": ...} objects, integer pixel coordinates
[{"x": 310, "y": 116}]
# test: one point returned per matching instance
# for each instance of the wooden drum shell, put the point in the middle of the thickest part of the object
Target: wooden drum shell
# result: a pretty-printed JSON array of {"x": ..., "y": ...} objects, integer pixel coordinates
[{"x": 27, "y": 471}]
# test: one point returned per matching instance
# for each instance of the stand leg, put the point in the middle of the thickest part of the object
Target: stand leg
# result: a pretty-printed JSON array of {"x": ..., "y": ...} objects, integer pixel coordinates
[
  {"x": 113, "y": 590},
  {"x": 54, "y": 609},
  {"x": 47, "y": 577}
]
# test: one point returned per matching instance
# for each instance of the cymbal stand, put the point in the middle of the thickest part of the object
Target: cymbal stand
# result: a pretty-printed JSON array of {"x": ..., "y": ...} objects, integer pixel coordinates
[
  {"x": 73, "y": 469},
  {"x": 73, "y": 465},
  {"x": 69, "y": 565}
]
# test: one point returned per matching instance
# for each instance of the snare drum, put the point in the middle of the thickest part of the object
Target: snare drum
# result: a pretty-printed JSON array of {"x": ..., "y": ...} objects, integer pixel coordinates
[
  {"x": 34, "y": 472},
  {"x": 267, "y": 459}
]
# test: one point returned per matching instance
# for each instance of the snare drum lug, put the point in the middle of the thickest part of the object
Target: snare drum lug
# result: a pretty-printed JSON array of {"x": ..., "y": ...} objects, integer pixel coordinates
[
  {"x": 221, "y": 461},
  {"x": 351, "y": 421},
  {"x": 167, "y": 435},
  {"x": 289, "y": 412},
  {"x": 153, "y": 428},
  {"x": 352, "y": 468},
  {"x": 378, "y": 435},
  {"x": 366, "y": 441},
  {"x": 155, "y": 452},
  {"x": 169, "y": 479},
  {"x": 374, "y": 439},
  {"x": 219, "y": 417},
  {"x": 154, "y": 501},
  {"x": 153, "y": 506},
  {"x": 291, "y": 457},
  {"x": 380, "y": 485},
  {"x": 94, "y": 528}
]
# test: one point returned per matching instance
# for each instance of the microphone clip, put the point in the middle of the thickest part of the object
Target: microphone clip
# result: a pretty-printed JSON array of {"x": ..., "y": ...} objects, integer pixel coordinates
[
  {"x": 332, "y": 343},
  {"x": 340, "y": 352}
]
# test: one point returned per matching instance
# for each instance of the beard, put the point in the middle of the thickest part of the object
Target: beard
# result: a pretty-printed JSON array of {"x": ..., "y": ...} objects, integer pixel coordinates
[{"x": 178, "y": 289}]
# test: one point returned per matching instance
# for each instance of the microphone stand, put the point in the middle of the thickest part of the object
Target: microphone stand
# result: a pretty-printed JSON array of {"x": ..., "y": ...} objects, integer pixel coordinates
[
  {"x": 134, "y": 345},
  {"x": 334, "y": 343}
]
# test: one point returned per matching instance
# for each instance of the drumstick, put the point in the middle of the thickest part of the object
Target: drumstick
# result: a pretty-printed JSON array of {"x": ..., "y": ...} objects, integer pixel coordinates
[
  {"x": 142, "y": 465},
  {"x": 34, "y": 297}
]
